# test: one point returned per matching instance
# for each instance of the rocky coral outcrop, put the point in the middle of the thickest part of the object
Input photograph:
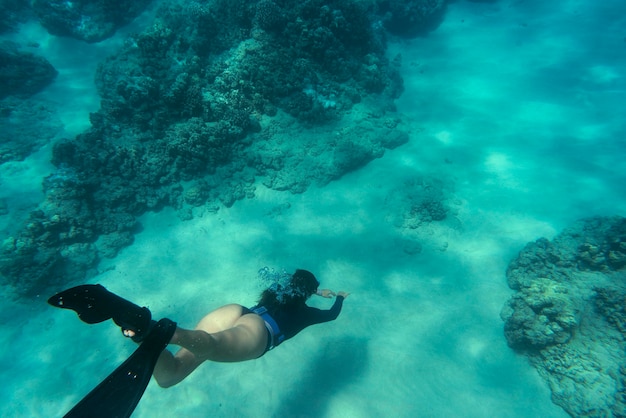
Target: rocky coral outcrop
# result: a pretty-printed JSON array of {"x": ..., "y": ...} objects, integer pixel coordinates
[
  {"x": 25, "y": 126},
  {"x": 568, "y": 314},
  {"x": 87, "y": 20},
  {"x": 269, "y": 16},
  {"x": 190, "y": 115},
  {"x": 421, "y": 208},
  {"x": 292, "y": 158},
  {"x": 23, "y": 74},
  {"x": 12, "y": 13},
  {"x": 419, "y": 201}
]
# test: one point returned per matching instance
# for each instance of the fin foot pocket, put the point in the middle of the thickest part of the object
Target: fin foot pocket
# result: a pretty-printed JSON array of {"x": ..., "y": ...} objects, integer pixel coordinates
[{"x": 94, "y": 304}]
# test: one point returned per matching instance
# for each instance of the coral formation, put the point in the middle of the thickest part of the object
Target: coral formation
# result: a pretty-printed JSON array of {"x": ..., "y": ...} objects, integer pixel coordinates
[
  {"x": 269, "y": 16},
  {"x": 197, "y": 107},
  {"x": 87, "y": 20},
  {"x": 568, "y": 314},
  {"x": 12, "y": 12},
  {"x": 422, "y": 208},
  {"x": 419, "y": 201},
  {"x": 23, "y": 74},
  {"x": 25, "y": 126}
]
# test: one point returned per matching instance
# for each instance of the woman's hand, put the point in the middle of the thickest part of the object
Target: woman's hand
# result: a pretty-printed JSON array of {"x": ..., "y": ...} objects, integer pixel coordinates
[
  {"x": 326, "y": 293},
  {"x": 342, "y": 293}
]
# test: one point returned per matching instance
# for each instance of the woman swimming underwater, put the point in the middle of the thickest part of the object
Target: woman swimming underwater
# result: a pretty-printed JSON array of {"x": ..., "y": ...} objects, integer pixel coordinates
[
  {"x": 235, "y": 333},
  {"x": 231, "y": 333}
]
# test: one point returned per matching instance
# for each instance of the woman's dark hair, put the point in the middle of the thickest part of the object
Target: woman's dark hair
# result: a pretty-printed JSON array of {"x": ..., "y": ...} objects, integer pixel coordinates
[{"x": 301, "y": 286}]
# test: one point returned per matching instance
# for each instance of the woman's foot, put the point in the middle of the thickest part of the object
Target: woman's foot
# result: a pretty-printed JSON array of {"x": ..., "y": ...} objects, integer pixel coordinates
[
  {"x": 128, "y": 333},
  {"x": 138, "y": 336}
]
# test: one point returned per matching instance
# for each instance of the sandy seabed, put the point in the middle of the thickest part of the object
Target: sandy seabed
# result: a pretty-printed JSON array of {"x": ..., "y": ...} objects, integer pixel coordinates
[{"x": 516, "y": 105}]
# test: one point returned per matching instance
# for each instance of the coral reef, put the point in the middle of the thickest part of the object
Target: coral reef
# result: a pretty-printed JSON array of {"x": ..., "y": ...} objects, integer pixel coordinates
[
  {"x": 269, "y": 16},
  {"x": 25, "y": 126},
  {"x": 421, "y": 209},
  {"x": 22, "y": 74},
  {"x": 195, "y": 108},
  {"x": 12, "y": 12},
  {"x": 292, "y": 160},
  {"x": 419, "y": 201},
  {"x": 87, "y": 20},
  {"x": 568, "y": 314}
]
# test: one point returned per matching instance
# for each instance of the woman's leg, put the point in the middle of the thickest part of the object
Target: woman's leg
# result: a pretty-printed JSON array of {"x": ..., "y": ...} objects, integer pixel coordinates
[{"x": 223, "y": 335}]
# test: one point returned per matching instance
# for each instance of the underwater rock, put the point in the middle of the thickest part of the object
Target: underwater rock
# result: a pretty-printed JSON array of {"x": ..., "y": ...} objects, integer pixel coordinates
[
  {"x": 315, "y": 67},
  {"x": 418, "y": 202},
  {"x": 540, "y": 315},
  {"x": 78, "y": 259},
  {"x": 423, "y": 211},
  {"x": 23, "y": 74},
  {"x": 110, "y": 244},
  {"x": 611, "y": 303},
  {"x": 278, "y": 210},
  {"x": 39, "y": 258},
  {"x": 349, "y": 156},
  {"x": 12, "y": 13},
  {"x": 269, "y": 16},
  {"x": 569, "y": 317},
  {"x": 196, "y": 195},
  {"x": 213, "y": 96},
  {"x": 56, "y": 245},
  {"x": 25, "y": 126},
  {"x": 87, "y": 20},
  {"x": 292, "y": 159}
]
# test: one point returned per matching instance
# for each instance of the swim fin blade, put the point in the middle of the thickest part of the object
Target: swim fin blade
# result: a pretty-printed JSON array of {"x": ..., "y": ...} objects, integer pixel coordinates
[
  {"x": 84, "y": 300},
  {"x": 94, "y": 304},
  {"x": 117, "y": 396}
]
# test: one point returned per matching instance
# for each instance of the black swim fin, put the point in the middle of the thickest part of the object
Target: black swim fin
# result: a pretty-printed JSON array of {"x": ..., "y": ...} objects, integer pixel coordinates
[
  {"x": 117, "y": 396},
  {"x": 94, "y": 304}
]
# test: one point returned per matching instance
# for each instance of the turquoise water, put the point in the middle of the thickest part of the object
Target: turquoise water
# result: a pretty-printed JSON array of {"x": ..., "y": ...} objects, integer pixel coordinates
[{"x": 516, "y": 107}]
